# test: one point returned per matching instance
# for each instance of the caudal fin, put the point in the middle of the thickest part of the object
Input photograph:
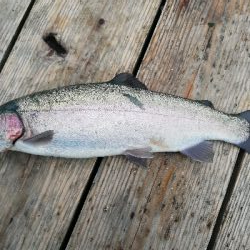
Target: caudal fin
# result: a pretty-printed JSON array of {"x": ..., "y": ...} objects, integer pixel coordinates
[{"x": 246, "y": 144}]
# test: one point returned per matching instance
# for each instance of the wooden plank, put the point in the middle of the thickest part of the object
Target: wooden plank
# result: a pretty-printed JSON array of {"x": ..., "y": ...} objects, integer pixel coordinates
[
  {"x": 234, "y": 232},
  {"x": 38, "y": 194},
  {"x": 11, "y": 13},
  {"x": 199, "y": 50}
]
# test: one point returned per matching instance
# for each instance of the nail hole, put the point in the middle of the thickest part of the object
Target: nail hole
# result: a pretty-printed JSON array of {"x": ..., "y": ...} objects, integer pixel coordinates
[{"x": 101, "y": 21}]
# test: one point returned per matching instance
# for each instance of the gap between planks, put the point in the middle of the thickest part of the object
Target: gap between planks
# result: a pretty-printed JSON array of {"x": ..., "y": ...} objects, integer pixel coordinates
[
  {"x": 80, "y": 204},
  {"x": 227, "y": 197},
  {"x": 16, "y": 35},
  {"x": 98, "y": 162}
]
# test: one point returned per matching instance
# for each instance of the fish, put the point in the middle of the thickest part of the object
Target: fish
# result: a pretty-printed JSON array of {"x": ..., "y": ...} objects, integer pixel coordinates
[{"x": 117, "y": 117}]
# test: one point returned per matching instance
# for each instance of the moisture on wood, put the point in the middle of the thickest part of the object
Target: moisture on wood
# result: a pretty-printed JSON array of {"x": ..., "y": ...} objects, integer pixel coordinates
[
  {"x": 174, "y": 204},
  {"x": 38, "y": 194}
]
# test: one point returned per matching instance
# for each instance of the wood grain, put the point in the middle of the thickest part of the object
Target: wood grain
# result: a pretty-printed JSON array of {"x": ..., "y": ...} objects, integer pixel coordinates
[
  {"x": 11, "y": 13},
  {"x": 199, "y": 50},
  {"x": 234, "y": 232},
  {"x": 38, "y": 194}
]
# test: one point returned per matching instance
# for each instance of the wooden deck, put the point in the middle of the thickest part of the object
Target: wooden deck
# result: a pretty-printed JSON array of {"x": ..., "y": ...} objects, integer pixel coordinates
[{"x": 193, "y": 48}]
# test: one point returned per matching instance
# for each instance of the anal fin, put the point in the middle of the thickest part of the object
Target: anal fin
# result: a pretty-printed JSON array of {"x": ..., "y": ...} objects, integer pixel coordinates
[{"x": 202, "y": 152}]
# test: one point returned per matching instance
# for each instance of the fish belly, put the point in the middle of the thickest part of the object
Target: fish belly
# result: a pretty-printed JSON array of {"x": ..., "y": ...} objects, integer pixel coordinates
[{"x": 102, "y": 132}]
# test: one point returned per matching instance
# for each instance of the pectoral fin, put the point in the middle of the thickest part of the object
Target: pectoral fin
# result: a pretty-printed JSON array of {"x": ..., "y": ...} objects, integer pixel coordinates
[
  {"x": 40, "y": 139},
  {"x": 202, "y": 152}
]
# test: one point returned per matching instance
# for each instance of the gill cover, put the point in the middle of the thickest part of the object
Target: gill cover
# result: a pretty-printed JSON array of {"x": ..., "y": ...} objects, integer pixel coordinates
[{"x": 11, "y": 128}]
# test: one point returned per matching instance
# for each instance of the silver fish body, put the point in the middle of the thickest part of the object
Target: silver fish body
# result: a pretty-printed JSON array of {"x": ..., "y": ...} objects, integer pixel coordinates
[{"x": 91, "y": 120}]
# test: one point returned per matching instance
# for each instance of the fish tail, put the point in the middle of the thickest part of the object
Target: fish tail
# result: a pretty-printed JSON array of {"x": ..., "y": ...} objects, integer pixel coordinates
[{"x": 245, "y": 144}]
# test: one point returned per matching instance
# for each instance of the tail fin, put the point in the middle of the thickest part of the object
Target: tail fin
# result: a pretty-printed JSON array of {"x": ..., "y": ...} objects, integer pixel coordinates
[{"x": 246, "y": 144}]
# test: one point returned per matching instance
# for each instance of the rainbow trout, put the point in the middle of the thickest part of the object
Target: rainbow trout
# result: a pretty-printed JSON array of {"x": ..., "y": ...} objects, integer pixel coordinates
[{"x": 119, "y": 117}]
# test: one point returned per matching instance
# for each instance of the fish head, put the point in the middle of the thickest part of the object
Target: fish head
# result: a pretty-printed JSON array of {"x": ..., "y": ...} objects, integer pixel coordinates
[{"x": 11, "y": 128}]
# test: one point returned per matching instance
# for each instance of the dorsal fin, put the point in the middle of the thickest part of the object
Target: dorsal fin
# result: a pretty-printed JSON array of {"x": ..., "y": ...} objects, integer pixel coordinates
[
  {"x": 128, "y": 80},
  {"x": 206, "y": 103}
]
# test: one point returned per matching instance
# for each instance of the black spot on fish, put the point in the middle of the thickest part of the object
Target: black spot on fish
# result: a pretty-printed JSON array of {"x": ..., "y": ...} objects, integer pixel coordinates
[
  {"x": 54, "y": 44},
  {"x": 134, "y": 100}
]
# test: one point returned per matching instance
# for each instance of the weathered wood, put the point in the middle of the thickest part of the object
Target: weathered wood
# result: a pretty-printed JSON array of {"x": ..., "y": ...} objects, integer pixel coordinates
[
  {"x": 234, "y": 232},
  {"x": 11, "y": 13},
  {"x": 38, "y": 194},
  {"x": 200, "y": 51}
]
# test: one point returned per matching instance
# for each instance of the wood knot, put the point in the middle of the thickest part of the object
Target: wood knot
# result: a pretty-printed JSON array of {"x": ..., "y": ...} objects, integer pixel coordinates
[{"x": 52, "y": 42}]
